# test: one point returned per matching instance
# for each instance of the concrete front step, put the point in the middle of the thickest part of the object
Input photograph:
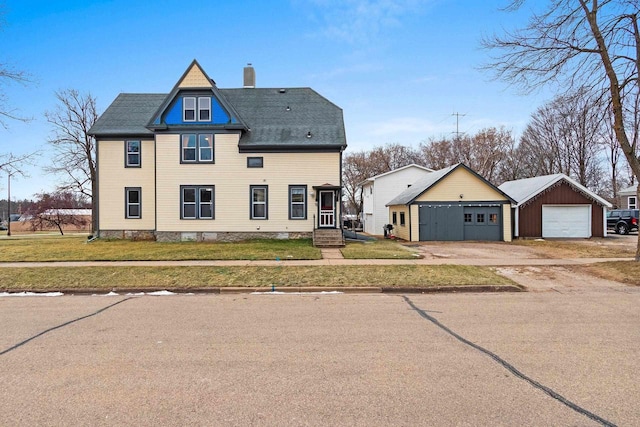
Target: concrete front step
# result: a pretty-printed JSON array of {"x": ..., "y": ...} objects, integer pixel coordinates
[{"x": 327, "y": 238}]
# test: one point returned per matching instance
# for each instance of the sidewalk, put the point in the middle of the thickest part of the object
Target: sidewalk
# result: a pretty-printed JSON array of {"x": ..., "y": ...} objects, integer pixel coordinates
[{"x": 490, "y": 262}]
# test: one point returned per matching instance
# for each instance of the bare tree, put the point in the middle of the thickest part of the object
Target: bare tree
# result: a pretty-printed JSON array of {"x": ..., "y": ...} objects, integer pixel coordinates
[
  {"x": 56, "y": 210},
  {"x": 9, "y": 74},
  {"x": 580, "y": 43},
  {"x": 359, "y": 166},
  {"x": 437, "y": 153},
  {"x": 74, "y": 149},
  {"x": 565, "y": 136},
  {"x": 483, "y": 152}
]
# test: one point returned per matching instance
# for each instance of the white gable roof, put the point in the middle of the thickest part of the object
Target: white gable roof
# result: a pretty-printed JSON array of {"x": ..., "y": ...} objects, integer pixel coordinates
[
  {"x": 412, "y": 165},
  {"x": 629, "y": 190},
  {"x": 523, "y": 190}
]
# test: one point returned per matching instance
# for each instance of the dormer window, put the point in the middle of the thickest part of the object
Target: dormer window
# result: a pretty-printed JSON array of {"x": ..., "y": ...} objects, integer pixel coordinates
[
  {"x": 196, "y": 109},
  {"x": 204, "y": 109},
  {"x": 189, "y": 109}
]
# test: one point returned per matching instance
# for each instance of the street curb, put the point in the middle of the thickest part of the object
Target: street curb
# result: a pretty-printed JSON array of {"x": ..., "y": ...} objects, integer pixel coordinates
[{"x": 289, "y": 289}]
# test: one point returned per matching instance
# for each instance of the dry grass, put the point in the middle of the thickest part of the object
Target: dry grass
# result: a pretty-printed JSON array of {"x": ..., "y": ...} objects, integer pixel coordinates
[
  {"x": 378, "y": 249},
  {"x": 620, "y": 271},
  {"x": 77, "y": 249},
  {"x": 107, "y": 278},
  {"x": 592, "y": 248}
]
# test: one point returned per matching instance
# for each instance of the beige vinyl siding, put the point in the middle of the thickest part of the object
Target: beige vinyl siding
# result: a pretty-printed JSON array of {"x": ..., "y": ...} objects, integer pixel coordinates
[
  {"x": 458, "y": 182},
  {"x": 114, "y": 177},
  {"x": 506, "y": 222},
  {"x": 195, "y": 78},
  {"x": 401, "y": 231},
  {"x": 232, "y": 180},
  {"x": 415, "y": 223}
]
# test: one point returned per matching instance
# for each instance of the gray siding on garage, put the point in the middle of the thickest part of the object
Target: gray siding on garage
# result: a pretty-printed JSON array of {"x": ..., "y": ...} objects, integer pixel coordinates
[
  {"x": 447, "y": 222},
  {"x": 485, "y": 223},
  {"x": 441, "y": 222}
]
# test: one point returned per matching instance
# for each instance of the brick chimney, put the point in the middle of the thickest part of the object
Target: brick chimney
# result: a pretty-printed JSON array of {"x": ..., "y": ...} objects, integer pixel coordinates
[{"x": 249, "y": 76}]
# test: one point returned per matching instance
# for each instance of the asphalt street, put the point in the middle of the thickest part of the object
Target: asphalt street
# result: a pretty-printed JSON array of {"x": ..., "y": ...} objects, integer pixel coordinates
[{"x": 540, "y": 358}]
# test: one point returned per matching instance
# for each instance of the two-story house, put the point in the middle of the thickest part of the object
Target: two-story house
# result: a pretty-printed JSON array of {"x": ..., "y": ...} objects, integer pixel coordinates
[
  {"x": 203, "y": 163},
  {"x": 378, "y": 190}
]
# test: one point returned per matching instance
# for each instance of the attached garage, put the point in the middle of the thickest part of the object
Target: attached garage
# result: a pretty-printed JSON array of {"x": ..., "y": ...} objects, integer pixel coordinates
[
  {"x": 556, "y": 206},
  {"x": 452, "y": 204}
]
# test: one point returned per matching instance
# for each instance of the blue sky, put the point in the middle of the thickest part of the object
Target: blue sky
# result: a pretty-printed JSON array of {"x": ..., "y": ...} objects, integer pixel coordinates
[{"x": 398, "y": 68}]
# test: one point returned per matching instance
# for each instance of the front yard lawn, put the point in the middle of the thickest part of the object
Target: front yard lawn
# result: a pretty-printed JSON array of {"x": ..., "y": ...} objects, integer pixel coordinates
[
  {"x": 378, "y": 249},
  {"x": 123, "y": 278},
  {"x": 38, "y": 249},
  {"x": 619, "y": 271}
]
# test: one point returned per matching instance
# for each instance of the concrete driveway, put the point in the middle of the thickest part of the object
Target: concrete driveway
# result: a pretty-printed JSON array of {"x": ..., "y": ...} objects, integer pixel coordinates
[
  {"x": 532, "y": 359},
  {"x": 509, "y": 251}
]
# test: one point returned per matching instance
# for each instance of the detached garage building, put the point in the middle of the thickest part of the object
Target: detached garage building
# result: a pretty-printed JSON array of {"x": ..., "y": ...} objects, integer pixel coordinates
[
  {"x": 454, "y": 203},
  {"x": 556, "y": 206}
]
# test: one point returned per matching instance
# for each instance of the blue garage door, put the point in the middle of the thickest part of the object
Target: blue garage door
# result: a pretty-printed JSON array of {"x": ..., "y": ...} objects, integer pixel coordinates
[{"x": 459, "y": 222}]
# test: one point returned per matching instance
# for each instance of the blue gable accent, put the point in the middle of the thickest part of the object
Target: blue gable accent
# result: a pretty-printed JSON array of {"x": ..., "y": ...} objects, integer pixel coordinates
[{"x": 173, "y": 115}]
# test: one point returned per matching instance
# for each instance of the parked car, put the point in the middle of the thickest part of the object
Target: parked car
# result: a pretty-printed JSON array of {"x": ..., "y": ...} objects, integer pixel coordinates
[
  {"x": 3, "y": 225},
  {"x": 622, "y": 221}
]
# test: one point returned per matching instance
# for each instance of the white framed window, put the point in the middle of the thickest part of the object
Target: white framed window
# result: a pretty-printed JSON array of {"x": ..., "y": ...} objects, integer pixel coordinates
[
  {"x": 197, "y": 148},
  {"x": 402, "y": 218},
  {"x": 259, "y": 201},
  {"x": 132, "y": 154},
  {"x": 198, "y": 202},
  {"x": 204, "y": 109},
  {"x": 297, "y": 202},
  {"x": 633, "y": 202},
  {"x": 133, "y": 202},
  {"x": 189, "y": 109},
  {"x": 205, "y": 147}
]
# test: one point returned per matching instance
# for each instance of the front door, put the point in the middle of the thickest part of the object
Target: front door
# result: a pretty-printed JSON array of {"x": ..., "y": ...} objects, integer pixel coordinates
[{"x": 327, "y": 208}]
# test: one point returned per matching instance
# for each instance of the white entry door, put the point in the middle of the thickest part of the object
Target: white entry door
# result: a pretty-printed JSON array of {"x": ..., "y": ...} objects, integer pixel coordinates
[{"x": 327, "y": 208}]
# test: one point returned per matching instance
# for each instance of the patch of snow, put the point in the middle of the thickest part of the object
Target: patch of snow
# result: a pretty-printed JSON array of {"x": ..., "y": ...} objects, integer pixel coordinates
[
  {"x": 31, "y": 294},
  {"x": 160, "y": 293}
]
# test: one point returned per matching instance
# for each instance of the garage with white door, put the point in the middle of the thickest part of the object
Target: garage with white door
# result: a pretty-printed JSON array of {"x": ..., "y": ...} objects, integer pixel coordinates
[
  {"x": 556, "y": 206},
  {"x": 568, "y": 221}
]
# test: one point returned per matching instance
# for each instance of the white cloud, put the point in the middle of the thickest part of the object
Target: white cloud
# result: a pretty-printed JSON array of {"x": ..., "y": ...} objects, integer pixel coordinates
[{"x": 361, "y": 21}]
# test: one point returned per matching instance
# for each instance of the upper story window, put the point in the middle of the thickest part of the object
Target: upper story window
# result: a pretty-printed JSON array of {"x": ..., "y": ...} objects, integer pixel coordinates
[
  {"x": 196, "y": 109},
  {"x": 132, "y": 155},
  {"x": 255, "y": 162},
  {"x": 633, "y": 203},
  {"x": 204, "y": 109},
  {"x": 197, "y": 148},
  {"x": 189, "y": 109}
]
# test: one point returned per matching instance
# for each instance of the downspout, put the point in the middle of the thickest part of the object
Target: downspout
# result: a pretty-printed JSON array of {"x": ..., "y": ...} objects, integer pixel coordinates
[{"x": 96, "y": 196}]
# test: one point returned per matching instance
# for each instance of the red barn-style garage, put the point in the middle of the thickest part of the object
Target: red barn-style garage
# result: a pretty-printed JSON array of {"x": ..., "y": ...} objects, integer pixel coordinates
[{"x": 556, "y": 206}]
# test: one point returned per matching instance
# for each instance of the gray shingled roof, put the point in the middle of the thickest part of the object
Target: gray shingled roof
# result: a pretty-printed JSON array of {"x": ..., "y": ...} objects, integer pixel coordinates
[
  {"x": 271, "y": 122},
  {"x": 523, "y": 190},
  {"x": 420, "y": 186},
  {"x": 265, "y": 111},
  {"x": 128, "y": 114}
]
